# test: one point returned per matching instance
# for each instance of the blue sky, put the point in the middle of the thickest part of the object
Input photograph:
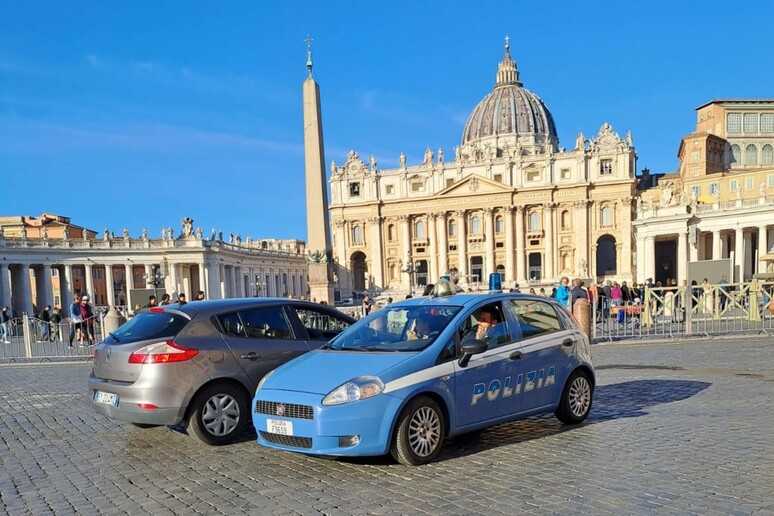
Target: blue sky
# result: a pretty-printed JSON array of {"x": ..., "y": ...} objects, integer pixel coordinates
[{"x": 138, "y": 114}]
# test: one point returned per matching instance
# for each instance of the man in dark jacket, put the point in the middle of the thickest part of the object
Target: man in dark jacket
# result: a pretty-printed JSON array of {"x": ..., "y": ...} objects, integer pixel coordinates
[
  {"x": 5, "y": 320},
  {"x": 45, "y": 323}
]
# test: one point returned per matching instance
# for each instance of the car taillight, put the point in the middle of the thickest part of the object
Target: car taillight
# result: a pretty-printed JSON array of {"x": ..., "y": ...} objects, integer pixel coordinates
[{"x": 162, "y": 353}]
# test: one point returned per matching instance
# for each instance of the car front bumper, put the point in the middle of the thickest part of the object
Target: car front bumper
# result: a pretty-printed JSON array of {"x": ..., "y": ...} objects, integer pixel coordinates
[
  {"x": 130, "y": 398},
  {"x": 370, "y": 420}
]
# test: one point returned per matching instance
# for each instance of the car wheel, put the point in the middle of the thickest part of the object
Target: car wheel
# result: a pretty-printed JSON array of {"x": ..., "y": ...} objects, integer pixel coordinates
[
  {"x": 219, "y": 414},
  {"x": 576, "y": 399},
  {"x": 420, "y": 433}
]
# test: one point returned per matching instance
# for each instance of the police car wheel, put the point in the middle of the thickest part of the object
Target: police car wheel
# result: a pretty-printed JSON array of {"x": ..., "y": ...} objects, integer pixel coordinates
[
  {"x": 576, "y": 399},
  {"x": 420, "y": 433}
]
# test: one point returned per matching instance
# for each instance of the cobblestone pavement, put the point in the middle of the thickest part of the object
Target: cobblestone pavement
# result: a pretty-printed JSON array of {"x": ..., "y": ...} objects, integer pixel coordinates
[{"x": 675, "y": 428}]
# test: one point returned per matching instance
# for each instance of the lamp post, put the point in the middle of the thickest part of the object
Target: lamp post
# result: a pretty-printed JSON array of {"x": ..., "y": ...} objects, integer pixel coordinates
[
  {"x": 154, "y": 278},
  {"x": 410, "y": 269}
]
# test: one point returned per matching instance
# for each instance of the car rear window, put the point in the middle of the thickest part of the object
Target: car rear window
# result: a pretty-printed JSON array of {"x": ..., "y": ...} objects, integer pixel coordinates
[{"x": 147, "y": 326}]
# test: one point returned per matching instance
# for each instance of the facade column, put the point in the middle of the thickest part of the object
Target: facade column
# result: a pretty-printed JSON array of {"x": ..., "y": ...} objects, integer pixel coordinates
[
  {"x": 375, "y": 247},
  {"x": 203, "y": 279},
  {"x": 128, "y": 284},
  {"x": 462, "y": 244},
  {"x": 509, "y": 271},
  {"x": 763, "y": 247},
  {"x": 717, "y": 247},
  {"x": 111, "y": 295},
  {"x": 148, "y": 275},
  {"x": 489, "y": 238},
  {"x": 693, "y": 249},
  {"x": 432, "y": 232},
  {"x": 405, "y": 242},
  {"x": 739, "y": 253},
  {"x": 25, "y": 295},
  {"x": 640, "y": 259},
  {"x": 626, "y": 240},
  {"x": 682, "y": 258},
  {"x": 548, "y": 241},
  {"x": 650, "y": 258},
  {"x": 89, "y": 282},
  {"x": 521, "y": 259},
  {"x": 581, "y": 224},
  {"x": 5, "y": 286},
  {"x": 222, "y": 281},
  {"x": 235, "y": 281},
  {"x": 213, "y": 281},
  {"x": 185, "y": 280},
  {"x": 443, "y": 246}
]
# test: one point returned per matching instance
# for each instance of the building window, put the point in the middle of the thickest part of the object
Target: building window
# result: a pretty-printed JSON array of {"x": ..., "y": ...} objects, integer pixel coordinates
[
  {"x": 564, "y": 220},
  {"x": 734, "y": 123},
  {"x": 452, "y": 228},
  {"x": 419, "y": 230},
  {"x": 354, "y": 189},
  {"x": 357, "y": 235},
  {"x": 714, "y": 189},
  {"x": 695, "y": 156},
  {"x": 498, "y": 178},
  {"x": 533, "y": 223},
  {"x": 475, "y": 225},
  {"x": 770, "y": 179},
  {"x": 751, "y": 123},
  {"x": 418, "y": 186},
  {"x": 767, "y": 123},
  {"x": 736, "y": 155},
  {"x": 533, "y": 175},
  {"x": 606, "y": 216},
  {"x": 389, "y": 189},
  {"x": 564, "y": 173},
  {"x": 498, "y": 225},
  {"x": 767, "y": 155},
  {"x": 449, "y": 182},
  {"x": 606, "y": 167},
  {"x": 750, "y": 155},
  {"x": 695, "y": 192},
  {"x": 391, "y": 233},
  {"x": 733, "y": 185},
  {"x": 749, "y": 183}
]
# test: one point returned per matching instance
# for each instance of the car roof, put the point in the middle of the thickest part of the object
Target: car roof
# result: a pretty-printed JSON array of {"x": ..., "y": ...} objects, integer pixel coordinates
[
  {"x": 218, "y": 305},
  {"x": 466, "y": 299}
]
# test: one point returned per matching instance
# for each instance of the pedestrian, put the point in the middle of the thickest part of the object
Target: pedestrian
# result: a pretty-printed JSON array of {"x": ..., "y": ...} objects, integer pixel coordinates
[
  {"x": 56, "y": 321},
  {"x": 165, "y": 300},
  {"x": 626, "y": 293},
  {"x": 577, "y": 292},
  {"x": 181, "y": 299},
  {"x": 199, "y": 296},
  {"x": 45, "y": 323},
  {"x": 515, "y": 288},
  {"x": 616, "y": 302},
  {"x": 75, "y": 320},
  {"x": 366, "y": 305},
  {"x": 152, "y": 301},
  {"x": 389, "y": 300},
  {"x": 5, "y": 317},
  {"x": 532, "y": 290},
  {"x": 542, "y": 291},
  {"x": 562, "y": 294},
  {"x": 87, "y": 320}
]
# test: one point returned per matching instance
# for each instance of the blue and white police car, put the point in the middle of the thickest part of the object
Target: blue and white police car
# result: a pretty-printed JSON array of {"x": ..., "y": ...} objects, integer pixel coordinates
[{"x": 410, "y": 375}]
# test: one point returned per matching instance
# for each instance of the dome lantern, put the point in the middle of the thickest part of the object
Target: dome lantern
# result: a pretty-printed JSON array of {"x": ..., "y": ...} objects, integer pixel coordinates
[{"x": 507, "y": 73}]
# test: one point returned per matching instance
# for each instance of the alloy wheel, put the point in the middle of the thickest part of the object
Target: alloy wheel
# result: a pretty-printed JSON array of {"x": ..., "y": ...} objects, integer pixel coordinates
[
  {"x": 580, "y": 396},
  {"x": 424, "y": 433},
  {"x": 220, "y": 415}
]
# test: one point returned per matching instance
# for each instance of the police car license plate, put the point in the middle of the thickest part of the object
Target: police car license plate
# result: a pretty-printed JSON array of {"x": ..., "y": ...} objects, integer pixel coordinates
[
  {"x": 107, "y": 398},
  {"x": 279, "y": 426}
]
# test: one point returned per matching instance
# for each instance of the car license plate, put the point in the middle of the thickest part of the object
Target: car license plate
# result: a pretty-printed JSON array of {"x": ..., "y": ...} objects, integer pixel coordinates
[
  {"x": 107, "y": 398},
  {"x": 279, "y": 426}
]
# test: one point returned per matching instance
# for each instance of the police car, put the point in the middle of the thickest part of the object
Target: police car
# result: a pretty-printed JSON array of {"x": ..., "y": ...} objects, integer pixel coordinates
[{"x": 410, "y": 375}]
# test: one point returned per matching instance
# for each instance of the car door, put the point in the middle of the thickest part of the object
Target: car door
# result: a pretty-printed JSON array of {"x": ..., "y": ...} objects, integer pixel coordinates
[
  {"x": 261, "y": 338},
  {"x": 479, "y": 386},
  {"x": 320, "y": 325},
  {"x": 543, "y": 348}
]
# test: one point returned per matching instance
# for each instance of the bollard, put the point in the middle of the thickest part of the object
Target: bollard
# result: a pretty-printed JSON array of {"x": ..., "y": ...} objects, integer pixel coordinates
[
  {"x": 581, "y": 311},
  {"x": 27, "y": 329},
  {"x": 111, "y": 321},
  {"x": 753, "y": 307}
]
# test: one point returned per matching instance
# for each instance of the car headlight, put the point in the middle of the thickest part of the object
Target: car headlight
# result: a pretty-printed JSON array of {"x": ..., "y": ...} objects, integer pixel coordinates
[
  {"x": 359, "y": 388},
  {"x": 263, "y": 380}
]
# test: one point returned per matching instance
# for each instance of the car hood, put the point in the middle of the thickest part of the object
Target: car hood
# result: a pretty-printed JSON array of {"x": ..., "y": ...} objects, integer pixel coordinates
[{"x": 321, "y": 371}]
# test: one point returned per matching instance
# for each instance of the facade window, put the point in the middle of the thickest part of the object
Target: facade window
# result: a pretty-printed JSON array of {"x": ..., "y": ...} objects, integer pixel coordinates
[
  {"x": 475, "y": 225},
  {"x": 750, "y": 155},
  {"x": 734, "y": 123},
  {"x": 565, "y": 220},
  {"x": 767, "y": 123},
  {"x": 733, "y": 185},
  {"x": 452, "y": 228},
  {"x": 498, "y": 178},
  {"x": 533, "y": 175},
  {"x": 695, "y": 156},
  {"x": 606, "y": 216},
  {"x": 389, "y": 189},
  {"x": 354, "y": 189},
  {"x": 736, "y": 155},
  {"x": 749, "y": 183},
  {"x": 751, "y": 123},
  {"x": 449, "y": 182},
  {"x": 606, "y": 167},
  {"x": 420, "y": 232},
  {"x": 770, "y": 179},
  {"x": 714, "y": 189},
  {"x": 533, "y": 223},
  {"x": 357, "y": 235},
  {"x": 767, "y": 155},
  {"x": 391, "y": 233},
  {"x": 498, "y": 225},
  {"x": 418, "y": 186},
  {"x": 564, "y": 173}
]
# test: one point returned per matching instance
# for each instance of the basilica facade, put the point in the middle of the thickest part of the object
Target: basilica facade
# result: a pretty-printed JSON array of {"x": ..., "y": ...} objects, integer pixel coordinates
[{"x": 508, "y": 199}]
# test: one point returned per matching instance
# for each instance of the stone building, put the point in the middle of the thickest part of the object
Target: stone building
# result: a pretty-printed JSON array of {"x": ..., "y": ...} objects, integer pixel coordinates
[
  {"x": 720, "y": 203},
  {"x": 40, "y": 270},
  {"x": 507, "y": 199}
]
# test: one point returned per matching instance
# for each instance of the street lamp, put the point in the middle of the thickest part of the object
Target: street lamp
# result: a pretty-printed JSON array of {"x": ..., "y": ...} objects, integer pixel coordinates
[
  {"x": 410, "y": 269},
  {"x": 155, "y": 278}
]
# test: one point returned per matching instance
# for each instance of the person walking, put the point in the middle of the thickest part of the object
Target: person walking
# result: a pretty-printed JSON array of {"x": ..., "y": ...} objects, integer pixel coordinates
[
  {"x": 45, "y": 323},
  {"x": 86, "y": 314},
  {"x": 56, "y": 321},
  {"x": 5, "y": 318}
]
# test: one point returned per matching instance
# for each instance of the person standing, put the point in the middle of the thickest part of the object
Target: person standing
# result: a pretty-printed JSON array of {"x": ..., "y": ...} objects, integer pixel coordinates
[
  {"x": 87, "y": 320},
  {"x": 165, "y": 300},
  {"x": 181, "y": 299},
  {"x": 45, "y": 323},
  {"x": 75, "y": 320},
  {"x": 199, "y": 296},
  {"x": 577, "y": 292},
  {"x": 5, "y": 317},
  {"x": 562, "y": 294},
  {"x": 152, "y": 301},
  {"x": 56, "y": 321},
  {"x": 367, "y": 304}
]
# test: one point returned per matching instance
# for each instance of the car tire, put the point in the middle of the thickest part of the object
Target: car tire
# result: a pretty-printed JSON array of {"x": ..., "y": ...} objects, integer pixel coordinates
[
  {"x": 577, "y": 398},
  {"x": 420, "y": 432},
  {"x": 219, "y": 414}
]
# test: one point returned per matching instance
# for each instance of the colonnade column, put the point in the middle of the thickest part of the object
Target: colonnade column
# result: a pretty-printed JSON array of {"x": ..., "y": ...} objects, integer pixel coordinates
[
  {"x": 45, "y": 288},
  {"x": 682, "y": 257},
  {"x": 650, "y": 258},
  {"x": 763, "y": 247},
  {"x": 222, "y": 281},
  {"x": 462, "y": 252},
  {"x": 433, "y": 234},
  {"x": 375, "y": 225},
  {"x": 739, "y": 253},
  {"x": 521, "y": 259},
  {"x": 405, "y": 243},
  {"x": 548, "y": 241},
  {"x": 443, "y": 246},
  {"x": 236, "y": 291},
  {"x": 128, "y": 283},
  {"x": 24, "y": 289},
  {"x": 509, "y": 273},
  {"x": 111, "y": 295},
  {"x": 717, "y": 245},
  {"x": 148, "y": 275},
  {"x": 89, "y": 281},
  {"x": 489, "y": 243},
  {"x": 203, "y": 278},
  {"x": 5, "y": 286}
]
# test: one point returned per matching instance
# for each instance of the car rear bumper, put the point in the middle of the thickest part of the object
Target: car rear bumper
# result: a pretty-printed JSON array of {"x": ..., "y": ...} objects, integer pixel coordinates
[
  {"x": 135, "y": 401},
  {"x": 370, "y": 420}
]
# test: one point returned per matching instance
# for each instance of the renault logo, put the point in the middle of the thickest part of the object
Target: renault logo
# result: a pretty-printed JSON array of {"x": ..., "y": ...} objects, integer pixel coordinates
[{"x": 280, "y": 409}]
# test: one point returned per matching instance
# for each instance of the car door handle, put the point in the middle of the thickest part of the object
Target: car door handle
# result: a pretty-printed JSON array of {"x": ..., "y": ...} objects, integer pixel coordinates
[
  {"x": 250, "y": 356},
  {"x": 568, "y": 342},
  {"x": 516, "y": 355}
]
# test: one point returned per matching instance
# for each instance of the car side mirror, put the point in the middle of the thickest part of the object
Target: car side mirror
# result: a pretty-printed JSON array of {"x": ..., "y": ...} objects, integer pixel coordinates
[{"x": 470, "y": 348}]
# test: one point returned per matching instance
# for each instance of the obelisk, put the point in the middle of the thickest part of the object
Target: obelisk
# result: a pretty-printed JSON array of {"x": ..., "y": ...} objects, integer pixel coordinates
[{"x": 318, "y": 232}]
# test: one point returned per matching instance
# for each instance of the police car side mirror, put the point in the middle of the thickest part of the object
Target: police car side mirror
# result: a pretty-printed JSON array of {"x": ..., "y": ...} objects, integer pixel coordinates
[{"x": 470, "y": 348}]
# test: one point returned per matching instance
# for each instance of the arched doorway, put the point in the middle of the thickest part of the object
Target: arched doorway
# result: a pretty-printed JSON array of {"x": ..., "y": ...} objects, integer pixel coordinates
[
  {"x": 357, "y": 264},
  {"x": 421, "y": 273},
  {"x": 606, "y": 256}
]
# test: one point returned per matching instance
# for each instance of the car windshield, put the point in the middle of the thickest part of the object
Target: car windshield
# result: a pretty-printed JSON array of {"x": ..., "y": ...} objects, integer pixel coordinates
[
  {"x": 402, "y": 328},
  {"x": 148, "y": 325}
]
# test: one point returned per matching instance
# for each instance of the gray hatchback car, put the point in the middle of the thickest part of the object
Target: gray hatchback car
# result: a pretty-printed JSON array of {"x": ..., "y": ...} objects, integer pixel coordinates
[{"x": 199, "y": 364}]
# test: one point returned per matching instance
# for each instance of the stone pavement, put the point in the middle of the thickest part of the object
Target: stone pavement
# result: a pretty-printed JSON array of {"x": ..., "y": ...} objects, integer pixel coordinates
[{"x": 675, "y": 428}]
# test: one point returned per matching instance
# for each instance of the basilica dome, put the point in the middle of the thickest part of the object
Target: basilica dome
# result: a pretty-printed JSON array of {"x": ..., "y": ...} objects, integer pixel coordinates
[{"x": 510, "y": 110}]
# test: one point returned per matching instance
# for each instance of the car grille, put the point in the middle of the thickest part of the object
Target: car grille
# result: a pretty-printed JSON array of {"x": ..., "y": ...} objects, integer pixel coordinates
[
  {"x": 291, "y": 410},
  {"x": 287, "y": 440}
]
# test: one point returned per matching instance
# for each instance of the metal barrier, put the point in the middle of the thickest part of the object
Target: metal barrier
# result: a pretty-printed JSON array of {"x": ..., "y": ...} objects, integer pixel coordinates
[
  {"x": 698, "y": 310},
  {"x": 30, "y": 338}
]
